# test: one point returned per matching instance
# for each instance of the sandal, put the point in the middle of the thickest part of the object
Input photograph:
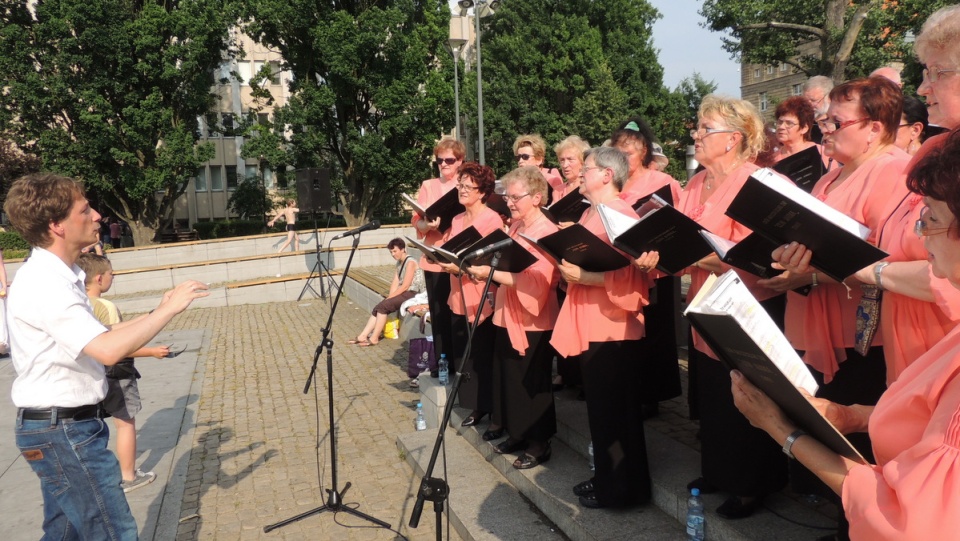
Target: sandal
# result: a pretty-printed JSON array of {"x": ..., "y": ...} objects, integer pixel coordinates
[
  {"x": 355, "y": 342},
  {"x": 366, "y": 344}
]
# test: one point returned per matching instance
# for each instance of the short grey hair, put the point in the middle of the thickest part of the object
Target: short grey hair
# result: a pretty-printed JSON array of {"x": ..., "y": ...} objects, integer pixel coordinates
[
  {"x": 819, "y": 81},
  {"x": 613, "y": 159}
]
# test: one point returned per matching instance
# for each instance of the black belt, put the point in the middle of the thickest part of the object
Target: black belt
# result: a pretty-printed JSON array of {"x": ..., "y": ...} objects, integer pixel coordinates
[{"x": 63, "y": 414}]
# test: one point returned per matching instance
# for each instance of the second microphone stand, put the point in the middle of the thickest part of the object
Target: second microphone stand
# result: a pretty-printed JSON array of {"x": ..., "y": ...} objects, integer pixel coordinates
[
  {"x": 434, "y": 489},
  {"x": 335, "y": 500}
]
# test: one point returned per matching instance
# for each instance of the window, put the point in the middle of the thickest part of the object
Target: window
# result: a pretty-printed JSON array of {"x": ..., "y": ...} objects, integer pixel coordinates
[
  {"x": 231, "y": 177},
  {"x": 200, "y": 180},
  {"x": 213, "y": 130},
  {"x": 268, "y": 180},
  {"x": 243, "y": 68},
  {"x": 756, "y": 73},
  {"x": 199, "y": 131},
  {"x": 274, "y": 72},
  {"x": 769, "y": 70},
  {"x": 263, "y": 119},
  {"x": 783, "y": 66},
  {"x": 216, "y": 178},
  {"x": 223, "y": 73},
  {"x": 229, "y": 123},
  {"x": 764, "y": 102},
  {"x": 797, "y": 89},
  {"x": 251, "y": 173}
]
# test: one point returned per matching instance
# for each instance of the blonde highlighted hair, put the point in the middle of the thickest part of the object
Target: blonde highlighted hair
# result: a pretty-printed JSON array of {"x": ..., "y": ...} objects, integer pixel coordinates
[{"x": 740, "y": 116}]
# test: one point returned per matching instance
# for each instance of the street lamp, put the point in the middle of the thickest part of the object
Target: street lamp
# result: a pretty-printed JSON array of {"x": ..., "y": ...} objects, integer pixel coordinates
[
  {"x": 478, "y": 5},
  {"x": 455, "y": 46}
]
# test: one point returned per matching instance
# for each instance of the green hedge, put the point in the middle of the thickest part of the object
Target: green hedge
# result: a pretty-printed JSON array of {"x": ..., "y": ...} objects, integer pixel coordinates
[{"x": 11, "y": 240}]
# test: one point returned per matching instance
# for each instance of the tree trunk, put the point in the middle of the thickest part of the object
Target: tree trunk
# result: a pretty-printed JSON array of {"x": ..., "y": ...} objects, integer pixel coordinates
[{"x": 142, "y": 235}]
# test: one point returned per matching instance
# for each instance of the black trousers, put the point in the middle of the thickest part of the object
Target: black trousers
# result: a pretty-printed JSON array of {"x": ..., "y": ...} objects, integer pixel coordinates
[
  {"x": 476, "y": 389},
  {"x": 611, "y": 376},
  {"x": 438, "y": 291}
]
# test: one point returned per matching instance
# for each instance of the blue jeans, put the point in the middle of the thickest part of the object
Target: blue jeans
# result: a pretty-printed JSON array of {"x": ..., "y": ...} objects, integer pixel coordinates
[{"x": 80, "y": 479}]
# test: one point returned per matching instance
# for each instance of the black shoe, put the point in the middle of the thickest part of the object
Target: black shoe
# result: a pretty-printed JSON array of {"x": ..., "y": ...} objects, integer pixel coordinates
[
  {"x": 584, "y": 488},
  {"x": 527, "y": 461},
  {"x": 508, "y": 446},
  {"x": 490, "y": 435},
  {"x": 735, "y": 508},
  {"x": 590, "y": 501},
  {"x": 474, "y": 418},
  {"x": 702, "y": 484}
]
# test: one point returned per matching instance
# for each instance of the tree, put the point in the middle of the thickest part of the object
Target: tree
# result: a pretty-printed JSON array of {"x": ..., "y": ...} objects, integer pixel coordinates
[
  {"x": 563, "y": 67},
  {"x": 372, "y": 89},
  {"x": 679, "y": 116},
  {"x": 14, "y": 163},
  {"x": 851, "y": 38},
  {"x": 109, "y": 92}
]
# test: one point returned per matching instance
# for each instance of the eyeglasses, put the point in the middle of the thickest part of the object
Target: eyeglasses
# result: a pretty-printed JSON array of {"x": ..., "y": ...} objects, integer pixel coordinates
[
  {"x": 831, "y": 126},
  {"x": 932, "y": 75},
  {"x": 701, "y": 133},
  {"x": 514, "y": 198},
  {"x": 447, "y": 161},
  {"x": 523, "y": 157},
  {"x": 786, "y": 123},
  {"x": 585, "y": 169},
  {"x": 922, "y": 227},
  {"x": 466, "y": 187}
]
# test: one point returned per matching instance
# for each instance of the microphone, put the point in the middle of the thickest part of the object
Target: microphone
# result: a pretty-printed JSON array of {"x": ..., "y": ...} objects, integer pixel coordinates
[
  {"x": 496, "y": 246},
  {"x": 374, "y": 224}
]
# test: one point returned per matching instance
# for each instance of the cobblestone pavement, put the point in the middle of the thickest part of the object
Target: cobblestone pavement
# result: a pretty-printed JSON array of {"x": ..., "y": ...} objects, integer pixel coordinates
[{"x": 254, "y": 459}]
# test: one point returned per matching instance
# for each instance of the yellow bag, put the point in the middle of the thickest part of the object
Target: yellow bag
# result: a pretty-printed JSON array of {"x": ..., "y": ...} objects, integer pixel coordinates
[{"x": 392, "y": 328}]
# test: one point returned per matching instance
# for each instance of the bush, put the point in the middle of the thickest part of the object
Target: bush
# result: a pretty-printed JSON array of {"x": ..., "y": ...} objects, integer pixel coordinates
[
  {"x": 11, "y": 240},
  {"x": 228, "y": 228}
]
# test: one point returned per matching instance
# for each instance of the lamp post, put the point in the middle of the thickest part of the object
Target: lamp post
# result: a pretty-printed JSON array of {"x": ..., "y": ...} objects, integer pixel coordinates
[
  {"x": 455, "y": 46},
  {"x": 477, "y": 7}
]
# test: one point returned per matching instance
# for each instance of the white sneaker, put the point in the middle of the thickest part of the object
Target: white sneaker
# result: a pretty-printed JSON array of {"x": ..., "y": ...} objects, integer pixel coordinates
[{"x": 141, "y": 479}]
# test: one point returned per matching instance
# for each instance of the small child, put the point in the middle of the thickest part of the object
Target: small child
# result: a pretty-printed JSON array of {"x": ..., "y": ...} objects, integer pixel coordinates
[{"x": 123, "y": 396}]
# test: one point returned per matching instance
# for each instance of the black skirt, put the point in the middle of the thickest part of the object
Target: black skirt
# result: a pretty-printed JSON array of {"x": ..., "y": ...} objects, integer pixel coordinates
[
  {"x": 476, "y": 388},
  {"x": 522, "y": 387}
]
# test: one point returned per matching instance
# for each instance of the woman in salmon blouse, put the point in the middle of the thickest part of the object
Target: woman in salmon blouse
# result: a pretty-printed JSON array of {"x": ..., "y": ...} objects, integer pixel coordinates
[
  {"x": 735, "y": 457},
  {"x": 660, "y": 377},
  {"x": 858, "y": 132},
  {"x": 531, "y": 149},
  {"x": 449, "y": 154},
  {"x": 526, "y": 310},
  {"x": 912, "y": 492},
  {"x": 570, "y": 157},
  {"x": 475, "y": 185},
  {"x": 602, "y": 321},
  {"x": 794, "y": 123}
]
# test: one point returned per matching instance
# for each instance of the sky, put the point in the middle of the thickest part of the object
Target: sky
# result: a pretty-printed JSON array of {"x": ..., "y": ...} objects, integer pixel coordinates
[{"x": 686, "y": 47}]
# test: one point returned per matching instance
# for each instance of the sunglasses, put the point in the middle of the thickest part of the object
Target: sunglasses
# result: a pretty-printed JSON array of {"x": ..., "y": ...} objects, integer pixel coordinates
[
  {"x": 447, "y": 161},
  {"x": 523, "y": 157}
]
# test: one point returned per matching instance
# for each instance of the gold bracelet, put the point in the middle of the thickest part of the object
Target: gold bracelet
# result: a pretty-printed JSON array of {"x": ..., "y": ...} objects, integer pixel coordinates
[{"x": 815, "y": 282}]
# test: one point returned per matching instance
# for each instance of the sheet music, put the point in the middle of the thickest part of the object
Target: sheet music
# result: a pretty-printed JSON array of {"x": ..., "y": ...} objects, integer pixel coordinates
[{"x": 771, "y": 179}]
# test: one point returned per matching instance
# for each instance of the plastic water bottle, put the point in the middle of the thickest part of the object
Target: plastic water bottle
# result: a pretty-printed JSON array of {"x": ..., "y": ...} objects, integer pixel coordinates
[
  {"x": 695, "y": 518},
  {"x": 444, "y": 370},
  {"x": 590, "y": 455},
  {"x": 421, "y": 422}
]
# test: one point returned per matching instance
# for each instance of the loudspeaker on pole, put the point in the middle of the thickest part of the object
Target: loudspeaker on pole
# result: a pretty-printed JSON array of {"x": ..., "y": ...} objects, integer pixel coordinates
[{"x": 313, "y": 189}]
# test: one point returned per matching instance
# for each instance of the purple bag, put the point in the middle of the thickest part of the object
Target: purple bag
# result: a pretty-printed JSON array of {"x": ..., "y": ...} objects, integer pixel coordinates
[{"x": 420, "y": 349}]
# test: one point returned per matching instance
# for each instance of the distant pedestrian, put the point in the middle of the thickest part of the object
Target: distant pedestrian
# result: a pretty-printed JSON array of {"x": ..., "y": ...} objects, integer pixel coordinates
[
  {"x": 289, "y": 215},
  {"x": 116, "y": 233}
]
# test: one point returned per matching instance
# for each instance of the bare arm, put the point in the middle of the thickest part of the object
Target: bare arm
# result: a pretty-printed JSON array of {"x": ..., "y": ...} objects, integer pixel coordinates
[
  {"x": 909, "y": 278},
  {"x": 121, "y": 341}
]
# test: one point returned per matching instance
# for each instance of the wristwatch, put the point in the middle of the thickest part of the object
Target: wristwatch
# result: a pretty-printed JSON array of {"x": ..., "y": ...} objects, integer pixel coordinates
[
  {"x": 878, "y": 272},
  {"x": 791, "y": 439}
]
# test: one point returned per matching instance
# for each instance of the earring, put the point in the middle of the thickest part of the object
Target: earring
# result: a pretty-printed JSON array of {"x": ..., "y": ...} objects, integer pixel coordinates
[{"x": 728, "y": 148}]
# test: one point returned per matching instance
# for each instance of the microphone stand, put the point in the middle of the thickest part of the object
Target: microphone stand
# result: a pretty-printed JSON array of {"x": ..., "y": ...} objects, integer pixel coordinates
[
  {"x": 434, "y": 489},
  {"x": 335, "y": 501}
]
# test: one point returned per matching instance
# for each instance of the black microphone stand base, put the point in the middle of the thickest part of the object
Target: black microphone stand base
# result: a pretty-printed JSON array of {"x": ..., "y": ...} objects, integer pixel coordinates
[{"x": 334, "y": 505}]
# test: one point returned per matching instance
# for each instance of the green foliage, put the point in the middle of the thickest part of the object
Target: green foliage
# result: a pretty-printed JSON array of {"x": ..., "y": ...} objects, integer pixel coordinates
[
  {"x": 11, "y": 240},
  {"x": 678, "y": 117},
  {"x": 563, "y": 67},
  {"x": 14, "y": 164},
  {"x": 109, "y": 91},
  {"x": 770, "y": 32},
  {"x": 371, "y": 95},
  {"x": 228, "y": 228},
  {"x": 250, "y": 200}
]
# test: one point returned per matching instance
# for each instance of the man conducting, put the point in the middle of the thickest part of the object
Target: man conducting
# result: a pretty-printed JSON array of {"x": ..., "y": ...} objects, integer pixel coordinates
[{"x": 59, "y": 351}]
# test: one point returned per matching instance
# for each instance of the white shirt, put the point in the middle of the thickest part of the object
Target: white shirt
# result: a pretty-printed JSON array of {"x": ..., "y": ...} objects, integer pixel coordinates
[{"x": 50, "y": 321}]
